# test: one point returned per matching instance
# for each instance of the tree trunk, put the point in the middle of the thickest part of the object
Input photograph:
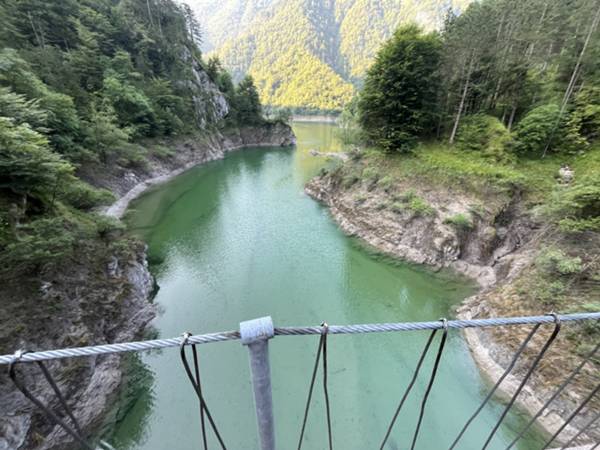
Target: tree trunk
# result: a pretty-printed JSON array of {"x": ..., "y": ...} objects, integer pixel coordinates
[
  {"x": 442, "y": 116},
  {"x": 512, "y": 117},
  {"x": 531, "y": 46},
  {"x": 35, "y": 33},
  {"x": 149, "y": 13},
  {"x": 462, "y": 101},
  {"x": 573, "y": 80}
]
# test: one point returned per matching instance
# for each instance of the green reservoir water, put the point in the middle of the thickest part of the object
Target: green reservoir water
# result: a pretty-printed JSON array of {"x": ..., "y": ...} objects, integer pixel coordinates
[{"x": 238, "y": 239}]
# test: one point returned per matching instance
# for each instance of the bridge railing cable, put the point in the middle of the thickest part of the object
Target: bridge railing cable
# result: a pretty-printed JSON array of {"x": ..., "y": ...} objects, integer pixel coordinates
[
  {"x": 156, "y": 344},
  {"x": 255, "y": 335}
]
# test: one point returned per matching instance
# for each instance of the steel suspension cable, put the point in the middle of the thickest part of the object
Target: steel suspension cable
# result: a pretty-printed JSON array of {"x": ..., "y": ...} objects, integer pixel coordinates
[
  {"x": 198, "y": 389},
  {"x": 525, "y": 379},
  {"x": 202, "y": 408},
  {"x": 581, "y": 431},
  {"x": 409, "y": 388},
  {"x": 573, "y": 414},
  {"x": 290, "y": 331},
  {"x": 310, "y": 391},
  {"x": 75, "y": 430},
  {"x": 325, "y": 390},
  {"x": 509, "y": 369},
  {"x": 560, "y": 389},
  {"x": 322, "y": 349},
  {"x": 431, "y": 381}
]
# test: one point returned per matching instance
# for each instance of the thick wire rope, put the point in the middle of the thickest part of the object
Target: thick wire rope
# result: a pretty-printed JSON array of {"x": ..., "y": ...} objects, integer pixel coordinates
[
  {"x": 431, "y": 381},
  {"x": 321, "y": 349},
  {"x": 198, "y": 389},
  {"x": 290, "y": 331},
  {"x": 525, "y": 379},
  {"x": 573, "y": 414},
  {"x": 409, "y": 388},
  {"x": 202, "y": 408},
  {"x": 581, "y": 431},
  {"x": 509, "y": 369},
  {"x": 74, "y": 431},
  {"x": 325, "y": 390},
  {"x": 560, "y": 389}
]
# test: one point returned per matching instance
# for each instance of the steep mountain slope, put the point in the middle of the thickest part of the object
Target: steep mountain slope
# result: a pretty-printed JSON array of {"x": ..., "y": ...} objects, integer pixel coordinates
[{"x": 308, "y": 53}]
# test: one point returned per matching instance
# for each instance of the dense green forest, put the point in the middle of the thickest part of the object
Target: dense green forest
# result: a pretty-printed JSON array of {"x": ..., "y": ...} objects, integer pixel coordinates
[
  {"x": 502, "y": 66},
  {"x": 82, "y": 83},
  {"x": 503, "y": 102},
  {"x": 506, "y": 82},
  {"x": 306, "y": 54}
]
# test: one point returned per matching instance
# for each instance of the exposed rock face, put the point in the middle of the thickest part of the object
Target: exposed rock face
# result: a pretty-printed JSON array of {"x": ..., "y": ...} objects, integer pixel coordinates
[
  {"x": 101, "y": 299},
  {"x": 190, "y": 151},
  {"x": 210, "y": 104},
  {"x": 480, "y": 248},
  {"x": 495, "y": 246}
]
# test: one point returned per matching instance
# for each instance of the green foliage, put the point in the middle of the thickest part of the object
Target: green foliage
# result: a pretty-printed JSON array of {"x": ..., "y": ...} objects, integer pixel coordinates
[
  {"x": 80, "y": 81},
  {"x": 283, "y": 115},
  {"x": 27, "y": 165},
  {"x": 460, "y": 221},
  {"x": 62, "y": 121},
  {"x": 487, "y": 135},
  {"x": 410, "y": 201},
  {"x": 535, "y": 130},
  {"x": 583, "y": 122},
  {"x": 420, "y": 207},
  {"x": 577, "y": 207},
  {"x": 82, "y": 196},
  {"x": 349, "y": 131},
  {"x": 350, "y": 179},
  {"x": 370, "y": 174},
  {"x": 103, "y": 134},
  {"x": 246, "y": 104},
  {"x": 439, "y": 161},
  {"x": 308, "y": 54},
  {"x": 386, "y": 182},
  {"x": 553, "y": 261},
  {"x": 397, "y": 103},
  {"x": 40, "y": 242},
  {"x": 132, "y": 106}
]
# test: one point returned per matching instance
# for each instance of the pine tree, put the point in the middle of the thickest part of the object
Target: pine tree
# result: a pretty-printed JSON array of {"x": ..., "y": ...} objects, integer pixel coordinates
[{"x": 397, "y": 103}]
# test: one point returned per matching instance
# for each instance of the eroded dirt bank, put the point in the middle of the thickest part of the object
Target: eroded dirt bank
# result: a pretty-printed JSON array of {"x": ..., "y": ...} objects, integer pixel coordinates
[{"x": 487, "y": 234}]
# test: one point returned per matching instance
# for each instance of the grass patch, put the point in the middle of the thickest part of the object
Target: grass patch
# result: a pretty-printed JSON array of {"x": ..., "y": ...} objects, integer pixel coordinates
[
  {"x": 460, "y": 221},
  {"x": 410, "y": 201}
]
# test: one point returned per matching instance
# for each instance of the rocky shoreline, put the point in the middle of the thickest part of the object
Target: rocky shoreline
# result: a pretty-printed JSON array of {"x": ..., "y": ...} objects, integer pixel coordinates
[
  {"x": 190, "y": 152},
  {"x": 104, "y": 298},
  {"x": 493, "y": 249}
]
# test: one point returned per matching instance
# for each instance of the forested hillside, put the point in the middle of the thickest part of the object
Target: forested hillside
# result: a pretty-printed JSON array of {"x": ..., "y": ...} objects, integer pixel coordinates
[
  {"x": 94, "y": 93},
  {"x": 306, "y": 53},
  {"x": 478, "y": 148},
  {"x": 81, "y": 84}
]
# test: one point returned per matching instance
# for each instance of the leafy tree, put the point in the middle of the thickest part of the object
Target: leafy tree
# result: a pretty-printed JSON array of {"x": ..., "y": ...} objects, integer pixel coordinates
[
  {"x": 397, "y": 103},
  {"x": 487, "y": 135},
  {"x": 536, "y": 128},
  {"x": 577, "y": 209},
  {"x": 103, "y": 136},
  {"x": 583, "y": 123},
  {"x": 27, "y": 165},
  {"x": 247, "y": 102},
  {"x": 63, "y": 120},
  {"x": 21, "y": 110},
  {"x": 132, "y": 106},
  {"x": 41, "y": 242}
]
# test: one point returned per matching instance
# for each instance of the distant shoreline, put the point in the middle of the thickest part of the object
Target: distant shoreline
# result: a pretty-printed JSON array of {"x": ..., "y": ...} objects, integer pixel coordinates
[{"x": 314, "y": 118}]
